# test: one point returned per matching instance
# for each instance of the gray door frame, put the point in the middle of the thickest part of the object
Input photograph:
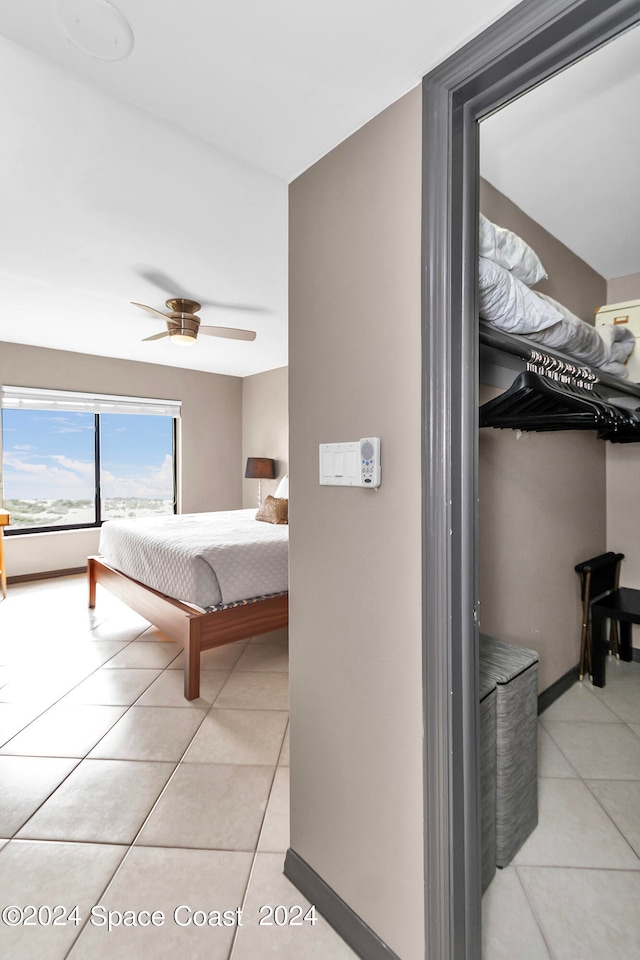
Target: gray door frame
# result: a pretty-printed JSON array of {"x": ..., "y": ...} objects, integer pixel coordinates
[{"x": 529, "y": 44}]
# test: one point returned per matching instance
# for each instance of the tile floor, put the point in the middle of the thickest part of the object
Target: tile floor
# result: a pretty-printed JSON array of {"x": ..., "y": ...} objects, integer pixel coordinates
[
  {"x": 573, "y": 888},
  {"x": 118, "y": 794}
]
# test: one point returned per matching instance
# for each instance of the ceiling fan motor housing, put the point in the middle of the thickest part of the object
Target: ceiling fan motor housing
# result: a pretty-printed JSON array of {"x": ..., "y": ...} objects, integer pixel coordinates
[{"x": 182, "y": 323}]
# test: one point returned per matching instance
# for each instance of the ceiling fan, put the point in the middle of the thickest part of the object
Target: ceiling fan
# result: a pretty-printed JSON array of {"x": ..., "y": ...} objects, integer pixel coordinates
[{"x": 183, "y": 325}]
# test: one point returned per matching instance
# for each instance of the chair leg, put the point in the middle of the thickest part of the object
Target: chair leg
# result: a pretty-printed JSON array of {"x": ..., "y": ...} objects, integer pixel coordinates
[
  {"x": 583, "y": 649},
  {"x": 613, "y": 639}
]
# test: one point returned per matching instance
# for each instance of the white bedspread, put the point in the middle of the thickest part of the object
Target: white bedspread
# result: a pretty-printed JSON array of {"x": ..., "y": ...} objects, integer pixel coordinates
[{"x": 201, "y": 558}]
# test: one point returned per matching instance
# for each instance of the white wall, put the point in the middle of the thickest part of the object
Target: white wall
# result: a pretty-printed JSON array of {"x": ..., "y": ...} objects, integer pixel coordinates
[
  {"x": 210, "y": 437},
  {"x": 355, "y": 555}
]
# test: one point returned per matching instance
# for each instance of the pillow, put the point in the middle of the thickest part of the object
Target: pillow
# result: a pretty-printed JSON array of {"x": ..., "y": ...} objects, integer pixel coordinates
[
  {"x": 510, "y": 251},
  {"x": 274, "y": 510},
  {"x": 509, "y": 304},
  {"x": 282, "y": 490}
]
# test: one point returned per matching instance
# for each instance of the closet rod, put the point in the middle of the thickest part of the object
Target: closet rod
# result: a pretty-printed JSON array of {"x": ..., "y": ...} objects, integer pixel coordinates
[{"x": 523, "y": 348}]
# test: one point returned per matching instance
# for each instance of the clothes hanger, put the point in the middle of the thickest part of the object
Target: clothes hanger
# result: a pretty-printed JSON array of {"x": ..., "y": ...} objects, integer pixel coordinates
[{"x": 554, "y": 401}]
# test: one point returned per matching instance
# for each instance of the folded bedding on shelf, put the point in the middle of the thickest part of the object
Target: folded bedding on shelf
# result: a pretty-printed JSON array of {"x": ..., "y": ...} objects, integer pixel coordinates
[
  {"x": 606, "y": 347},
  {"x": 509, "y": 304}
]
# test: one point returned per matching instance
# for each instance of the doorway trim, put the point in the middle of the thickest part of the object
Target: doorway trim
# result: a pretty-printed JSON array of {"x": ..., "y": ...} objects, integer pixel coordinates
[{"x": 525, "y": 47}]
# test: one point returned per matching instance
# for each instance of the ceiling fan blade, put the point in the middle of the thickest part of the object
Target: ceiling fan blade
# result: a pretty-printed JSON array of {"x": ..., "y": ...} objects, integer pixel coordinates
[
  {"x": 158, "y": 313},
  {"x": 164, "y": 283},
  {"x": 230, "y": 333},
  {"x": 170, "y": 288},
  {"x": 157, "y": 336}
]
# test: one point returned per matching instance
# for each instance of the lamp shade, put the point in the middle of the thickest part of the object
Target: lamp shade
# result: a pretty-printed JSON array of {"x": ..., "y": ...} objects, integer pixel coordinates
[{"x": 260, "y": 468}]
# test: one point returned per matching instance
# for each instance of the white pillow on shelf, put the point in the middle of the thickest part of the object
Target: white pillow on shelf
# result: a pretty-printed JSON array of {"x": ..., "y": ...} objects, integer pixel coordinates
[
  {"x": 509, "y": 304},
  {"x": 282, "y": 490},
  {"x": 510, "y": 251}
]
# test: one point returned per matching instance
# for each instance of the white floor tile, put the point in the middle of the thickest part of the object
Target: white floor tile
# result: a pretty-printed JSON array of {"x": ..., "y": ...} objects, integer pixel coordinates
[
  {"x": 168, "y": 690},
  {"x": 116, "y": 687},
  {"x": 239, "y": 736},
  {"x": 26, "y": 784},
  {"x": 509, "y": 927},
  {"x": 603, "y": 751},
  {"x": 285, "y": 755},
  {"x": 255, "y": 691},
  {"x": 222, "y": 658},
  {"x": 579, "y": 703},
  {"x": 146, "y": 655},
  {"x": 574, "y": 831},
  {"x": 255, "y": 941},
  {"x": 150, "y": 733},
  {"x": 162, "y": 880},
  {"x": 585, "y": 914},
  {"x": 102, "y": 801},
  {"x": 621, "y": 800},
  {"x": 623, "y": 699},
  {"x": 69, "y": 874},
  {"x": 271, "y": 657},
  {"x": 274, "y": 836},
  {"x": 15, "y": 716},
  {"x": 551, "y": 761},
  {"x": 214, "y": 806},
  {"x": 64, "y": 731}
]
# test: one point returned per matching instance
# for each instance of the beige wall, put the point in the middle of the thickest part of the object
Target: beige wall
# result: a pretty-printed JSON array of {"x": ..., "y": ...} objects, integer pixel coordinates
[
  {"x": 620, "y": 289},
  {"x": 543, "y": 497},
  {"x": 209, "y": 444},
  {"x": 623, "y": 475},
  {"x": 355, "y": 615},
  {"x": 265, "y": 427},
  {"x": 542, "y": 511}
]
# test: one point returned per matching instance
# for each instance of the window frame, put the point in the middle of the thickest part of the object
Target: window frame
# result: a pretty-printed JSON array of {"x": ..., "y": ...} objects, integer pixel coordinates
[{"x": 12, "y": 531}]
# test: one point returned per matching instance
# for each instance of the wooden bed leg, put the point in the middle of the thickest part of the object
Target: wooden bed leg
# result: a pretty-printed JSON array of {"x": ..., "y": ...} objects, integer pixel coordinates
[
  {"x": 192, "y": 661},
  {"x": 91, "y": 570}
]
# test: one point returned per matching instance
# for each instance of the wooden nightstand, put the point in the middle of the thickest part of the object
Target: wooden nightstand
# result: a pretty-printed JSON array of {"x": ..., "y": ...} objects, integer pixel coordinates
[{"x": 4, "y": 520}]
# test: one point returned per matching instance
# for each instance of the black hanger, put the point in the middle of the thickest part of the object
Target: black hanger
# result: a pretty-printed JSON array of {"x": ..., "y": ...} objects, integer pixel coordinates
[{"x": 538, "y": 402}]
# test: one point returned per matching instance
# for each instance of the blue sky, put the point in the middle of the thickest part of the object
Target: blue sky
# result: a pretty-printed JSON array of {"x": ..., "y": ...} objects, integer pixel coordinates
[{"x": 50, "y": 455}]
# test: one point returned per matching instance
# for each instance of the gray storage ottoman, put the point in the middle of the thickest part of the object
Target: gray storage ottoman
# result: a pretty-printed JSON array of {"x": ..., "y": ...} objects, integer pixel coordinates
[
  {"x": 488, "y": 776},
  {"x": 515, "y": 671}
]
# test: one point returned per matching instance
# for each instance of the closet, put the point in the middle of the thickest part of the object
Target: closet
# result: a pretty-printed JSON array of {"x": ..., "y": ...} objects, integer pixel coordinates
[
  {"x": 510, "y": 513},
  {"x": 559, "y": 440},
  {"x": 551, "y": 499}
]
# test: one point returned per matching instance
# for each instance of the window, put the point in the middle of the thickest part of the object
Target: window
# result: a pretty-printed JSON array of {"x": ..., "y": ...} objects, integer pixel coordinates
[{"x": 74, "y": 460}]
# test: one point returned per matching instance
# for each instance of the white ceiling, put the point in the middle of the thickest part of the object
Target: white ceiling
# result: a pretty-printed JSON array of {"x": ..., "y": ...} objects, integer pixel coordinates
[
  {"x": 175, "y": 161},
  {"x": 167, "y": 171},
  {"x": 568, "y": 154}
]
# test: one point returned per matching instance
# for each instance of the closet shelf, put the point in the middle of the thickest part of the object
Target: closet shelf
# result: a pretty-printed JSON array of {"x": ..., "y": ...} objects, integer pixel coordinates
[{"x": 504, "y": 355}]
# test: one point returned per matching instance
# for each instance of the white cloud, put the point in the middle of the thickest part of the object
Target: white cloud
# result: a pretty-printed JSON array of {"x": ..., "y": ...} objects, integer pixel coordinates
[
  {"x": 76, "y": 466},
  {"x": 59, "y": 477},
  {"x": 154, "y": 483}
]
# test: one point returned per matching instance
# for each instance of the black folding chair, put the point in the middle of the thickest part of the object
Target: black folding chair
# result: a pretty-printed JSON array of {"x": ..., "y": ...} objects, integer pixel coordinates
[{"x": 598, "y": 577}]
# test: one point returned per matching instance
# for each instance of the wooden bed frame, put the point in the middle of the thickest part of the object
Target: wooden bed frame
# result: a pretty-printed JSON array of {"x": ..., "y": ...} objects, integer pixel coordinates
[{"x": 194, "y": 630}]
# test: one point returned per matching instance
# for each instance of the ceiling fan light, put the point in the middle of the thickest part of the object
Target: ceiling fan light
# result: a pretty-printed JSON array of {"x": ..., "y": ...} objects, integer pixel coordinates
[{"x": 182, "y": 339}]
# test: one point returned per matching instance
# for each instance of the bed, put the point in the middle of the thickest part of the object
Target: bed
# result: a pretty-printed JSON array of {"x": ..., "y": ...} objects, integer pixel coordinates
[{"x": 204, "y": 579}]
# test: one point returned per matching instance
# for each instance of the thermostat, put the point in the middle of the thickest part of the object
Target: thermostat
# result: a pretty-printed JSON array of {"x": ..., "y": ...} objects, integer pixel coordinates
[{"x": 352, "y": 464}]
